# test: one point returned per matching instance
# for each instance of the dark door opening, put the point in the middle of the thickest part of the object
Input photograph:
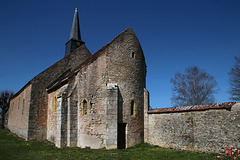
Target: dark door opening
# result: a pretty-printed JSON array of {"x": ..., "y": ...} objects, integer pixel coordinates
[{"x": 121, "y": 144}]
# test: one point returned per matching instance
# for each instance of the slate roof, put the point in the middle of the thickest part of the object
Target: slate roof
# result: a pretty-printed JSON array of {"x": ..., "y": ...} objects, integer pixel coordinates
[
  {"x": 226, "y": 105},
  {"x": 75, "y": 31}
]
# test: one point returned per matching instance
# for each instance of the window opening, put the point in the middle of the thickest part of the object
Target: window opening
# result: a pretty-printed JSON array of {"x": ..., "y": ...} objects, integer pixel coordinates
[
  {"x": 18, "y": 102},
  {"x": 23, "y": 106},
  {"x": 133, "y": 55},
  {"x": 85, "y": 107},
  {"x": 132, "y": 107},
  {"x": 54, "y": 104}
]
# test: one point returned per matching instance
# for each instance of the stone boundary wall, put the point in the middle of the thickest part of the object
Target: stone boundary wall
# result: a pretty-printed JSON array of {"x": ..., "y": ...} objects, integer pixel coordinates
[{"x": 209, "y": 130}]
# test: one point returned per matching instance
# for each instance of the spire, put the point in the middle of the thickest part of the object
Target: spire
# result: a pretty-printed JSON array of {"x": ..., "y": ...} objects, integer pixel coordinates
[
  {"x": 75, "y": 32},
  {"x": 75, "y": 37}
]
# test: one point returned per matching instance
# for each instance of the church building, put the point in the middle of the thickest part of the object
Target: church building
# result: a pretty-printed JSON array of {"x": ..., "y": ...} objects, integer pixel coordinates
[
  {"x": 100, "y": 100},
  {"x": 86, "y": 100}
]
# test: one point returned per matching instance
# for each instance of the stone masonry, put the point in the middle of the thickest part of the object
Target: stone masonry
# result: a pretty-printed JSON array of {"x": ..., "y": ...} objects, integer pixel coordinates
[
  {"x": 104, "y": 87},
  {"x": 204, "y": 130}
]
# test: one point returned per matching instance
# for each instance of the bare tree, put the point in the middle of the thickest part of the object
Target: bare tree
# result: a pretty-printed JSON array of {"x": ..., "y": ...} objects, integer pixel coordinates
[
  {"x": 4, "y": 103},
  {"x": 234, "y": 80},
  {"x": 193, "y": 88}
]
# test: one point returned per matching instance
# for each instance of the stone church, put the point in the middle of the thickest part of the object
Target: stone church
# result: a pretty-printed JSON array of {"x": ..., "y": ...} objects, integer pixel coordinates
[
  {"x": 86, "y": 100},
  {"x": 101, "y": 100}
]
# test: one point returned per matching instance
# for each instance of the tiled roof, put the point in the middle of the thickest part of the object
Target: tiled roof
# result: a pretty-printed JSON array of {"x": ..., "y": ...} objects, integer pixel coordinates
[{"x": 226, "y": 105}]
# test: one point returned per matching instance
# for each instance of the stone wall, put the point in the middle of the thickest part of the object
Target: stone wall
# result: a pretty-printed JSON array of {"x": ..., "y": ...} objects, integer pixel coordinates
[
  {"x": 126, "y": 67},
  {"x": 112, "y": 116},
  {"x": 82, "y": 130},
  {"x": 89, "y": 87},
  {"x": 208, "y": 130},
  {"x": 53, "y": 104},
  {"x": 18, "y": 113},
  {"x": 120, "y": 62}
]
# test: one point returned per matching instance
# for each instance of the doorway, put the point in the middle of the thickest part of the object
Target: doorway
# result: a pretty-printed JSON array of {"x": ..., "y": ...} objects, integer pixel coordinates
[{"x": 121, "y": 139}]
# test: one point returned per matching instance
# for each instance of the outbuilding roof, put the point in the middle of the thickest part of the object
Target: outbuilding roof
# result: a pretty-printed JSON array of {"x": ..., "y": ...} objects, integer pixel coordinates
[{"x": 226, "y": 105}]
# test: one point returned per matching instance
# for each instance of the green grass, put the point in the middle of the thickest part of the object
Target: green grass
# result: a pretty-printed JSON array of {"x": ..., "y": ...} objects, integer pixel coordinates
[{"x": 14, "y": 148}]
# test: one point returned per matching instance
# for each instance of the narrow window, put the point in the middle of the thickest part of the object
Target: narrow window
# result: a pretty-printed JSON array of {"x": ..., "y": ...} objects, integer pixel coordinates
[
  {"x": 132, "y": 108},
  {"x": 54, "y": 104},
  {"x": 18, "y": 102},
  {"x": 85, "y": 107},
  {"x": 23, "y": 106},
  {"x": 133, "y": 55}
]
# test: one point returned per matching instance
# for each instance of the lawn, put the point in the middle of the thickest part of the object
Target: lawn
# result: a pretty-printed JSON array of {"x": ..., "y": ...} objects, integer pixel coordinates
[{"x": 14, "y": 148}]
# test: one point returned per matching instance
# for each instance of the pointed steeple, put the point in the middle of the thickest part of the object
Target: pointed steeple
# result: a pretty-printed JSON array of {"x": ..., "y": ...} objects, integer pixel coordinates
[
  {"x": 75, "y": 36},
  {"x": 75, "y": 32}
]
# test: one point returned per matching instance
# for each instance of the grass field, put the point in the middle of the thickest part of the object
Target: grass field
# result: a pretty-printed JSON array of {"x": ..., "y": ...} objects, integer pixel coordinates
[{"x": 14, "y": 148}]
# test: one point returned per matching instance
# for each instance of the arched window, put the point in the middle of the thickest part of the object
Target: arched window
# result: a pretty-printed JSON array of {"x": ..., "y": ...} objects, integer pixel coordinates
[
  {"x": 84, "y": 107},
  {"x": 132, "y": 108},
  {"x": 54, "y": 104}
]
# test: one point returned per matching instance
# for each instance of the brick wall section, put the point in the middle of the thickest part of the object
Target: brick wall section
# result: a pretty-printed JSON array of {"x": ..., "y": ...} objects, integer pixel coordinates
[
  {"x": 206, "y": 131},
  {"x": 18, "y": 114}
]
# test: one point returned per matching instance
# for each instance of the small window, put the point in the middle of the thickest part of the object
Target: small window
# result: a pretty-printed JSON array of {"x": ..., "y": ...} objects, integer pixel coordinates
[
  {"x": 23, "y": 103},
  {"x": 84, "y": 107},
  {"x": 133, "y": 55},
  {"x": 54, "y": 104},
  {"x": 18, "y": 103},
  {"x": 132, "y": 108}
]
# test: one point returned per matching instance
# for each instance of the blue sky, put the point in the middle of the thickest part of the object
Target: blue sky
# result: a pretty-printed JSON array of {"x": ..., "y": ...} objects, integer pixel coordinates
[{"x": 174, "y": 35}]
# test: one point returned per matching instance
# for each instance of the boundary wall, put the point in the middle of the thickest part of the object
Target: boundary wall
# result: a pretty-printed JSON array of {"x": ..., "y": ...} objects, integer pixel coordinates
[{"x": 201, "y": 128}]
